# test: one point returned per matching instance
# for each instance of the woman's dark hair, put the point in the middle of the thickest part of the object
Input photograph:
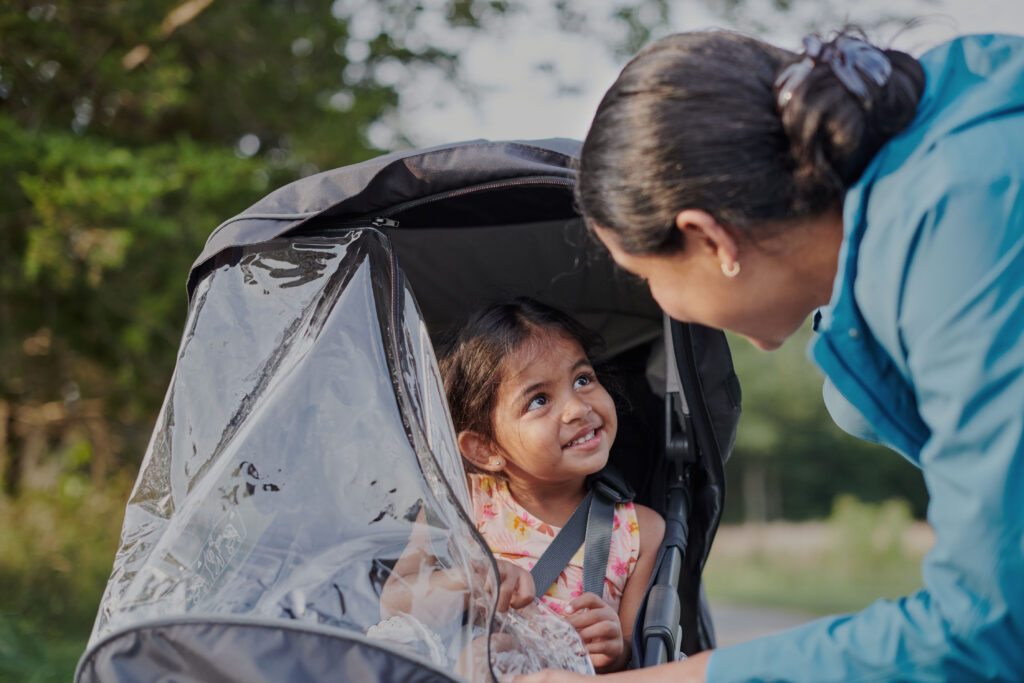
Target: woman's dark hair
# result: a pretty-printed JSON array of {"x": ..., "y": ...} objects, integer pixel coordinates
[
  {"x": 692, "y": 122},
  {"x": 473, "y": 361}
]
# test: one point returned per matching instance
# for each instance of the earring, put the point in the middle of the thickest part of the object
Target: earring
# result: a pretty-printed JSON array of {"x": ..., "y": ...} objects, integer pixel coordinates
[
  {"x": 732, "y": 269},
  {"x": 497, "y": 462}
]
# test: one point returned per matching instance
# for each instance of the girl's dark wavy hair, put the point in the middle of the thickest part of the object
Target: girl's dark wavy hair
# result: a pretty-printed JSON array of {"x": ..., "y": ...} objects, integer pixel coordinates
[
  {"x": 692, "y": 123},
  {"x": 472, "y": 362}
]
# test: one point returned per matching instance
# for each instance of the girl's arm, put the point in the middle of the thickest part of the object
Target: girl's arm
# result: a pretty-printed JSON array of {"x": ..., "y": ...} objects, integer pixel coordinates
[
  {"x": 652, "y": 530},
  {"x": 417, "y": 579},
  {"x": 420, "y": 585}
]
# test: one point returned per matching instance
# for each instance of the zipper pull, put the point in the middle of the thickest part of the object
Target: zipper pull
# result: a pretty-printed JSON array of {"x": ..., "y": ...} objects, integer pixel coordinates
[{"x": 382, "y": 222}]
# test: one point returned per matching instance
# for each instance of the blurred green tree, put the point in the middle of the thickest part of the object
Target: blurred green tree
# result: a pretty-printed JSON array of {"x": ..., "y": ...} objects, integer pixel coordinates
[{"x": 128, "y": 131}]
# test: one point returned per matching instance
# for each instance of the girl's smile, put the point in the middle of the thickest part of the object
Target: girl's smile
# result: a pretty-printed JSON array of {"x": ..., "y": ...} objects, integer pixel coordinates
[{"x": 589, "y": 440}]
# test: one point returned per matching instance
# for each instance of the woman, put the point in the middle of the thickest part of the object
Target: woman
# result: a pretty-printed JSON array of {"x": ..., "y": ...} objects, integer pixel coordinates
[{"x": 752, "y": 187}]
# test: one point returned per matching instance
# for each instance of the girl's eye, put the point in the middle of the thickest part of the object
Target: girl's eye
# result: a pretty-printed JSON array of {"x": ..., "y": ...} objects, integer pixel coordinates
[
  {"x": 537, "y": 402},
  {"x": 583, "y": 380}
]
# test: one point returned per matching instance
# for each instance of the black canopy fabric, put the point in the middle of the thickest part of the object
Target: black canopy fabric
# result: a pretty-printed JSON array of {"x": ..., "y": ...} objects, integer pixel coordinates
[
  {"x": 381, "y": 184},
  {"x": 471, "y": 223}
]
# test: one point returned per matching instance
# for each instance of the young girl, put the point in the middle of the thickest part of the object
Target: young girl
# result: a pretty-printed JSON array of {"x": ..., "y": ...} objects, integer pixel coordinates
[{"x": 533, "y": 421}]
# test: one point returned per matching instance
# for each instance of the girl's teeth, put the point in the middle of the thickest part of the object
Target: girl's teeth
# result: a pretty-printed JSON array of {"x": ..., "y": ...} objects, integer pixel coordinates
[{"x": 582, "y": 439}]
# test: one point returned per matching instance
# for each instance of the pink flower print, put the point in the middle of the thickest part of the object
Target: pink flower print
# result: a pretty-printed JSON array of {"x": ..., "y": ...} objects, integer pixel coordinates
[
  {"x": 577, "y": 591},
  {"x": 487, "y": 512},
  {"x": 620, "y": 566},
  {"x": 616, "y": 522},
  {"x": 555, "y": 606}
]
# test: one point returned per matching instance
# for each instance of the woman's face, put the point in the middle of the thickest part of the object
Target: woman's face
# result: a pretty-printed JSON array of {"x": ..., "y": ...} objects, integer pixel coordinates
[{"x": 766, "y": 302}]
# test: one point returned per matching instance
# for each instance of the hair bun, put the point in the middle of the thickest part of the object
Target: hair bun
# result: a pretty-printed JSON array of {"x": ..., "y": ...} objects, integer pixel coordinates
[{"x": 840, "y": 102}]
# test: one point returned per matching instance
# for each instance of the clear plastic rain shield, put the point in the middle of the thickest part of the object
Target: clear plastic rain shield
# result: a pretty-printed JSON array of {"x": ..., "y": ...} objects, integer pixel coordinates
[{"x": 303, "y": 485}]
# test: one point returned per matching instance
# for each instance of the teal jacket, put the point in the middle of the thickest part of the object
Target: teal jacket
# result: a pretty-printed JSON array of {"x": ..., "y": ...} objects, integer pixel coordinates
[{"x": 922, "y": 345}]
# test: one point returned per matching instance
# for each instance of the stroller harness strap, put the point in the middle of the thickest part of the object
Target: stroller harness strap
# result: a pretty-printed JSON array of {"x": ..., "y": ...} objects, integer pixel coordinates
[
  {"x": 598, "y": 544},
  {"x": 591, "y": 523}
]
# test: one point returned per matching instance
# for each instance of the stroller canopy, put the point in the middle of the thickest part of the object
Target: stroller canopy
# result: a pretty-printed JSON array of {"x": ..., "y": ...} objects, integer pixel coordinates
[{"x": 471, "y": 223}]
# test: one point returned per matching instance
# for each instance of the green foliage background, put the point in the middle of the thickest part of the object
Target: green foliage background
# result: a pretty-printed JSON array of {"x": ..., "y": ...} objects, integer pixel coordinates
[
  {"x": 790, "y": 460},
  {"x": 128, "y": 131}
]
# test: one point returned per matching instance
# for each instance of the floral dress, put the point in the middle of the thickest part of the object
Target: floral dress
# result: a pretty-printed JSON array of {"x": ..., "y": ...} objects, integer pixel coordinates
[{"x": 515, "y": 535}]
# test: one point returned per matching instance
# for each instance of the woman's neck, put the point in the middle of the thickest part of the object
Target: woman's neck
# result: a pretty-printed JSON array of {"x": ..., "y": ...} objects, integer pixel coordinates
[
  {"x": 818, "y": 242},
  {"x": 552, "y": 504}
]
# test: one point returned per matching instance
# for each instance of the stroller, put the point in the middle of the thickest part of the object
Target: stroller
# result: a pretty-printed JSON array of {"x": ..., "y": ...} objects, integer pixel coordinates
[{"x": 305, "y": 436}]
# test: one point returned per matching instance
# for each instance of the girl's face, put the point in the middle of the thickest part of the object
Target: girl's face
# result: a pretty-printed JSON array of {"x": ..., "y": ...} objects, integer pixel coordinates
[{"x": 554, "y": 423}]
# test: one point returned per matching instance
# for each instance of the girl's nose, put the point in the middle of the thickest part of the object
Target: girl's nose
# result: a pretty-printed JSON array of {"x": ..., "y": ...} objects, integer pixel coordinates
[{"x": 575, "y": 409}]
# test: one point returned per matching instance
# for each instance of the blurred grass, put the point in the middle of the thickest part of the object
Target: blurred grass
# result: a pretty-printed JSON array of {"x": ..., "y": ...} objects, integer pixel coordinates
[
  {"x": 861, "y": 553},
  {"x": 56, "y": 551},
  {"x": 31, "y": 655}
]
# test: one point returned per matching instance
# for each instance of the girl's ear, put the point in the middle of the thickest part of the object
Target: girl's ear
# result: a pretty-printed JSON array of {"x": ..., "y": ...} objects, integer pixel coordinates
[{"x": 480, "y": 451}]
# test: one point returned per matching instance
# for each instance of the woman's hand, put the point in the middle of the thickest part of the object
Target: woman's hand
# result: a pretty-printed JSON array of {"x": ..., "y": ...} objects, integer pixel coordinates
[
  {"x": 690, "y": 670},
  {"x": 599, "y": 628}
]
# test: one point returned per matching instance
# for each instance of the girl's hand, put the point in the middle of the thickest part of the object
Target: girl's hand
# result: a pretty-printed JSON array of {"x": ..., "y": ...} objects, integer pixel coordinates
[
  {"x": 516, "y": 588},
  {"x": 599, "y": 628}
]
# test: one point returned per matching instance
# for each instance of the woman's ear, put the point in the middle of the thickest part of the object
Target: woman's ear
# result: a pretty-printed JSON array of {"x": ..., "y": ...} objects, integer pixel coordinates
[
  {"x": 701, "y": 228},
  {"x": 480, "y": 451}
]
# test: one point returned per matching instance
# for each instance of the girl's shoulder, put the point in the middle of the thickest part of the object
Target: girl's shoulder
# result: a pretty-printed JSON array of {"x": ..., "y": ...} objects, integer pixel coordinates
[{"x": 652, "y": 528}]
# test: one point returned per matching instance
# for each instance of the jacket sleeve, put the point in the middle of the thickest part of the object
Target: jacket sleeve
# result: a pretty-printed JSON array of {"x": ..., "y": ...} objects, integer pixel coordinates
[{"x": 961, "y": 324}]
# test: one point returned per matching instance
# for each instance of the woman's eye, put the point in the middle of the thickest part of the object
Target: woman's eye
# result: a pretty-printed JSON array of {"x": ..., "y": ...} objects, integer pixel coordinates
[{"x": 537, "y": 402}]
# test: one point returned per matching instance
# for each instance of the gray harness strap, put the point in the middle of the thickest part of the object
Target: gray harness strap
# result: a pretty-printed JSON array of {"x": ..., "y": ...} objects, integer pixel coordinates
[
  {"x": 562, "y": 548},
  {"x": 598, "y": 544},
  {"x": 591, "y": 522}
]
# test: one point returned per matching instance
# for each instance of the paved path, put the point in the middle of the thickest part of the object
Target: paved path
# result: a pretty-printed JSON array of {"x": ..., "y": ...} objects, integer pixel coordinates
[{"x": 735, "y": 624}]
